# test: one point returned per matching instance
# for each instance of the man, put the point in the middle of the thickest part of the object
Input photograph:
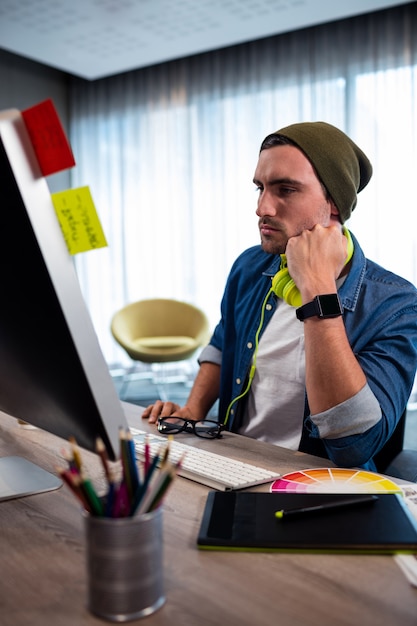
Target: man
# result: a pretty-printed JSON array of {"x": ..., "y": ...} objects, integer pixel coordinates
[{"x": 325, "y": 363}]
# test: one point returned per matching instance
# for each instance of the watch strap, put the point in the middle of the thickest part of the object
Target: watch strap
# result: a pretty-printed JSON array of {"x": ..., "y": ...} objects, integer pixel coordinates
[{"x": 307, "y": 310}]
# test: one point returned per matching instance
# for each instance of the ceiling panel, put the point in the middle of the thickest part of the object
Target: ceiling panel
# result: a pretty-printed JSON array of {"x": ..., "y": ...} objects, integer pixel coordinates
[{"x": 97, "y": 38}]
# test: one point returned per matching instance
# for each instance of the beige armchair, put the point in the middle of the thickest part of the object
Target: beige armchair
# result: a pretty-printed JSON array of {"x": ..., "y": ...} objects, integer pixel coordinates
[{"x": 160, "y": 330}]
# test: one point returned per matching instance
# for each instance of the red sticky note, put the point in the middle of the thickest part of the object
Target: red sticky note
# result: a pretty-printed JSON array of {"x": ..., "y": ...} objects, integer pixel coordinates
[{"x": 47, "y": 135}]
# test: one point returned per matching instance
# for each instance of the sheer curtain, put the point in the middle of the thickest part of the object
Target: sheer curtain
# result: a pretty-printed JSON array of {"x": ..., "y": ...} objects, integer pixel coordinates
[{"x": 169, "y": 154}]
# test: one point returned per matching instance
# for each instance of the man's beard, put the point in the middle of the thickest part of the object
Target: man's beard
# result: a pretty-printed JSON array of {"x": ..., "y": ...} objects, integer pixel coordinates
[
  {"x": 272, "y": 247},
  {"x": 270, "y": 244}
]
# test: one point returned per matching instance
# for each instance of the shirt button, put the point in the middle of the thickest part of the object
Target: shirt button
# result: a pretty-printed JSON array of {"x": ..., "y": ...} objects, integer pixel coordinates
[
  {"x": 249, "y": 345},
  {"x": 238, "y": 381},
  {"x": 268, "y": 307}
]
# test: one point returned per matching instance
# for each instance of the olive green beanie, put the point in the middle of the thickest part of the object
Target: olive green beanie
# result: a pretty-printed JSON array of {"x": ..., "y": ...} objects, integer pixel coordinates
[{"x": 340, "y": 164}]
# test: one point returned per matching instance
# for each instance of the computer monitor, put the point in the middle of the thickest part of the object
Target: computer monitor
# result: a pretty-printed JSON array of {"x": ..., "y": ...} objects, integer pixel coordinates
[{"x": 52, "y": 371}]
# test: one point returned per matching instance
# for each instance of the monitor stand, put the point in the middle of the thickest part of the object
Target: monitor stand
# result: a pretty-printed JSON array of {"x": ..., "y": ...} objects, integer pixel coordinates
[{"x": 19, "y": 477}]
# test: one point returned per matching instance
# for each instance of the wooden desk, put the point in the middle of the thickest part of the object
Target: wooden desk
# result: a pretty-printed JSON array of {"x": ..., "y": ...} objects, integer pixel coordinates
[{"x": 42, "y": 558}]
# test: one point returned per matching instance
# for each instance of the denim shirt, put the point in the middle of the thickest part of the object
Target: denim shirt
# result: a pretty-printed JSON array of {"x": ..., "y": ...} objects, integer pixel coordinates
[{"x": 380, "y": 317}]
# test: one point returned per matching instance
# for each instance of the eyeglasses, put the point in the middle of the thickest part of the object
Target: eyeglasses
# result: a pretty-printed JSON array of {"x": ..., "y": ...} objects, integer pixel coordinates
[{"x": 208, "y": 429}]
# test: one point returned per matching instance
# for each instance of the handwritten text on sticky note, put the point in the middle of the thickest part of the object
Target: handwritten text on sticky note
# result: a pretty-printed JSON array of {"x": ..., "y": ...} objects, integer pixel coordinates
[{"x": 79, "y": 221}]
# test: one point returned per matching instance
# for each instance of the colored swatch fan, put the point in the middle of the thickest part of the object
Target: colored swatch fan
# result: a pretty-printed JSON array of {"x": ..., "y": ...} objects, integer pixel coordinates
[{"x": 334, "y": 480}]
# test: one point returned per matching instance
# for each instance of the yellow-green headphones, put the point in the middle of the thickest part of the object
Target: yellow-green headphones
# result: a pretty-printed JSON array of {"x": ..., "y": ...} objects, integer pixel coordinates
[{"x": 283, "y": 285}]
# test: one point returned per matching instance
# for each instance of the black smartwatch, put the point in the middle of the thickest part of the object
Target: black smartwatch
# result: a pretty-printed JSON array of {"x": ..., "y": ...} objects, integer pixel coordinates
[{"x": 327, "y": 305}]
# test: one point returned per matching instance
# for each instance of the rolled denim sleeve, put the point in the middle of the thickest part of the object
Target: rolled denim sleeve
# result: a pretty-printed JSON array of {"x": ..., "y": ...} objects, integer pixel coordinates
[
  {"x": 354, "y": 416},
  {"x": 210, "y": 354}
]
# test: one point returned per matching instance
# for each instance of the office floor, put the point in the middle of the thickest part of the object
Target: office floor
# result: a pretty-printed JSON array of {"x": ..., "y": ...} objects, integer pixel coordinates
[{"x": 175, "y": 382}]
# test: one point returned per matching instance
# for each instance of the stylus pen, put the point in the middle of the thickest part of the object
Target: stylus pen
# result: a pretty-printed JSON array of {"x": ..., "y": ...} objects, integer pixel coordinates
[{"x": 326, "y": 506}]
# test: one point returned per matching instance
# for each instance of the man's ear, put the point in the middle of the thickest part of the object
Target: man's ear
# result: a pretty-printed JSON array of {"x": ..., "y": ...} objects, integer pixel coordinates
[{"x": 334, "y": 212}]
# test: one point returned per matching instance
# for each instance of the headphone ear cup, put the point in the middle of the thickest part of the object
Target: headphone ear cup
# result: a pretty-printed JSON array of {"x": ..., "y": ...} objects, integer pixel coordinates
[
  {"x": 348, "y": 236},
  {"x": 291, "y": 294},
  {"x": 279, "y": 281},
  {"x": 284, "y": 287}
]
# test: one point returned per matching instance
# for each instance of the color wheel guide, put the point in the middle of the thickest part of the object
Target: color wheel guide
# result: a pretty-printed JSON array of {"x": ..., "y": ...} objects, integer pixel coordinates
[{"x": 334, "y": 480}]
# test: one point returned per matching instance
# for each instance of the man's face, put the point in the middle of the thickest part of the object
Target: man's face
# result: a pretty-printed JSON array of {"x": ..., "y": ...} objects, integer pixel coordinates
[{"x": 291, "y": 198}]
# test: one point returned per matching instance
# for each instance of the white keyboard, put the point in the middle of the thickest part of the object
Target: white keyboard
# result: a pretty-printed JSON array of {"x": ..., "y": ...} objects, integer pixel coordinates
[{"x": 204, "y": 467}]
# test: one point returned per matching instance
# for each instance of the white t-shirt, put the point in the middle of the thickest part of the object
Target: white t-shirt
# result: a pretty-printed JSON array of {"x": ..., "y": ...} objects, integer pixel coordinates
[{"x": 275, "y": 405}]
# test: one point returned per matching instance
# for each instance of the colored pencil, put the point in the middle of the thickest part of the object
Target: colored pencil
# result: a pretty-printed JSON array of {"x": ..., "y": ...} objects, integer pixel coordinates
[{"x": 128, "y": 495}]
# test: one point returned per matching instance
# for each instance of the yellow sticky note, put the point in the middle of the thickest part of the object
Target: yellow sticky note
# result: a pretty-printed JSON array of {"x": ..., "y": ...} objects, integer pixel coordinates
[{"x": 79, "y": 221}]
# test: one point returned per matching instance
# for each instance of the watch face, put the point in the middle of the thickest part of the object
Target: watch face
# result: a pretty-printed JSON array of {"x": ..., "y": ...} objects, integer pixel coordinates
[{"x": 329, "y": 305}]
